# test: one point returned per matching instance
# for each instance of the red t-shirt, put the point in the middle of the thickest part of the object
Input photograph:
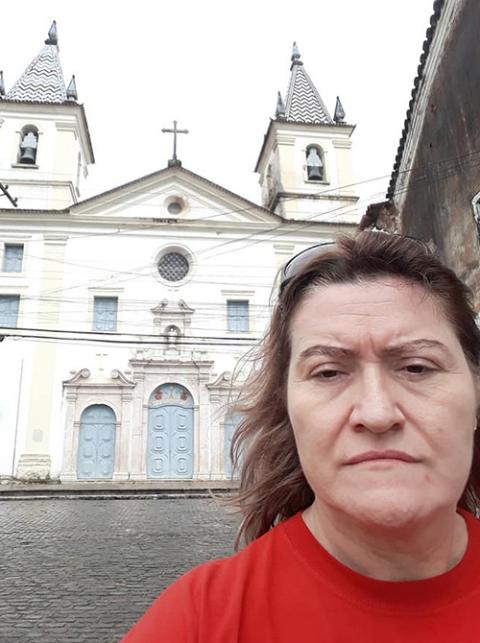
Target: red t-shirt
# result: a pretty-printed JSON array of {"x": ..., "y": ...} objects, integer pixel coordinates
[{"x": 286, "y": 588}]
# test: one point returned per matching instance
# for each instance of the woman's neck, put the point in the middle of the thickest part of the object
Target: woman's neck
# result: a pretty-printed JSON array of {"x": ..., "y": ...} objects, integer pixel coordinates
[{"x": 428, "y": 548}]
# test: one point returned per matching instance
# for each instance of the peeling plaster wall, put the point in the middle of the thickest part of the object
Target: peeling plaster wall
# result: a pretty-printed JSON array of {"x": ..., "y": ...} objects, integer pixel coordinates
[{"x": 438, "y": 200}]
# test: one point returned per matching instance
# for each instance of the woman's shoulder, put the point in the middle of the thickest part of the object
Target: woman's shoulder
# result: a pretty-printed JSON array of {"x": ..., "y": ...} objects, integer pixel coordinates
[
  {"x": 251, "y": 565},
  {"x": 262, "y": 550},
  {"x": 217, "y": 587}
]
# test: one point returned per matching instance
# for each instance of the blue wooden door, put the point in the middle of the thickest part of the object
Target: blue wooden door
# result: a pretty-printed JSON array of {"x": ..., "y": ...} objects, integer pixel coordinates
[
  {"x": 232, "y": 420},
  {"x": 96, "y": 446},
  {"x": 170, "y": 433}
]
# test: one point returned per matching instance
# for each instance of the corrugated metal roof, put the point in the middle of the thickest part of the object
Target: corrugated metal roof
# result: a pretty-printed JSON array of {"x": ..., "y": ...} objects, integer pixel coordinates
[{"x": 42, "y": 81}]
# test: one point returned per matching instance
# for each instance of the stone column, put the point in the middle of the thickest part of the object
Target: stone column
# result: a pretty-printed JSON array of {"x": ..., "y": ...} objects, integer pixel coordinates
[
  {"x": 204, "y": 427},
  {"x": 215, "y": 425},
  {"x": 137, "y": 471},
  {"x": 34, "y": 461},
  {"x": 68, "y": 468},
  {"x": 123, "y": 439}
]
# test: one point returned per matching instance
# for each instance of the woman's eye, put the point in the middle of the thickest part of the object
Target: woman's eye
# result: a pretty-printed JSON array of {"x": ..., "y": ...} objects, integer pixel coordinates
[
  {"x": 418, "y": 369},
  {"x": 327, "y": 374}
]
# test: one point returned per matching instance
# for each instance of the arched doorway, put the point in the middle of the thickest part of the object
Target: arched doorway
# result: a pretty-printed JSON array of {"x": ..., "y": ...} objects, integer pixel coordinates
[
  {"x": 96, "y": 444},
  {"x": 170, "y": 433},
  {"x": 232, "y": 420}
]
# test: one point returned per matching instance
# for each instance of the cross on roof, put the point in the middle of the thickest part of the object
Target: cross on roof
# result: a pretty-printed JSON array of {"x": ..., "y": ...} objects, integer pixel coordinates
[{"x": 174, "y": 131}]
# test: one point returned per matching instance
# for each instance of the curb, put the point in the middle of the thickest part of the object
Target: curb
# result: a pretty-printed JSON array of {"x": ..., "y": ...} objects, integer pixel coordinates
[{"x": 68, "y": 492}]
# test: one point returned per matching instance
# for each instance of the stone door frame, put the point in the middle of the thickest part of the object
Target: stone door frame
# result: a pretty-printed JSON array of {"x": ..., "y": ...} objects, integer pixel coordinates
[
  {"x": 82, "y": 391},
  {"x": 149, "y": 372}
]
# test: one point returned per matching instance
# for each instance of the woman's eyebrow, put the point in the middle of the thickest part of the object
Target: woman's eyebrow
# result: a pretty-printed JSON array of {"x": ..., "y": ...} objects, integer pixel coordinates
[
  {"x": 397, "y": 350},
  {"x": 404, "y": 348},
  {"x": 326, "y": 350}
]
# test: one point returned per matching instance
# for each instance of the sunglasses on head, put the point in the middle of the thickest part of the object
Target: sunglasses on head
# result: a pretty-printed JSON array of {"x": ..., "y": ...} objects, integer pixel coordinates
[
  {"x": 300, "y": 260},
  {"x": 295, "y": 265}
]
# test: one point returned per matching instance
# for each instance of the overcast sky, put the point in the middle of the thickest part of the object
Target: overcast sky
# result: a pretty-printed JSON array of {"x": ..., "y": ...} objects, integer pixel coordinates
[{"x": 216, "y": 66}]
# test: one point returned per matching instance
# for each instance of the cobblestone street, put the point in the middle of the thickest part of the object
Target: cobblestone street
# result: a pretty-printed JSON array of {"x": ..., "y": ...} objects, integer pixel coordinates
[{"x": 85, "y": 570}]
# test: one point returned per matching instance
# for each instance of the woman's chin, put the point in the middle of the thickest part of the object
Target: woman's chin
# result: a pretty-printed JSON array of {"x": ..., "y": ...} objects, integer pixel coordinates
[{"x": 387, "y": 508}]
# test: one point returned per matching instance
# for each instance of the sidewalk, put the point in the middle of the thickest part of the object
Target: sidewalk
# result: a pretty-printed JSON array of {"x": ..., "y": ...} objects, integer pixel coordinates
[{"x": 113, "y": 489}]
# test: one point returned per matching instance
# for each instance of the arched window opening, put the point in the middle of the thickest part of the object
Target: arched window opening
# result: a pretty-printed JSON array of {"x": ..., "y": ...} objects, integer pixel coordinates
[
  {"x": 27, "y": 153},
  {"x": 315, "y": 163}
]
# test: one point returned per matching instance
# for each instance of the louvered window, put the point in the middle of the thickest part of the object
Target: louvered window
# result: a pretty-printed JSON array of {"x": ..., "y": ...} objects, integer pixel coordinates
[
  {"x": 105, "y": 313},
  {"x": 12, "y": 257},
  {"x": 237, "y": 316},
  {"x": 9, "y": 310}
]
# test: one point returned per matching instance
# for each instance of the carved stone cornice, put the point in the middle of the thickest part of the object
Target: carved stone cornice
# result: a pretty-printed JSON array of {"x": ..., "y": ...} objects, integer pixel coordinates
[{"x": 82, "y": 379}]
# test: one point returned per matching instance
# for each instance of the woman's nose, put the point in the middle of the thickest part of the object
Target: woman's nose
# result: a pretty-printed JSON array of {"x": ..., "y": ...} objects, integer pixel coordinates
[{"x": 375, "y": 405}]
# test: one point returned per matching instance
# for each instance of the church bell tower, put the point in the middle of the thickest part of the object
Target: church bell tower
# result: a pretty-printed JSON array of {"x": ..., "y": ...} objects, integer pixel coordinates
[
  {"x": 305, "y": 163},
  {"x": 45, "y": 146}
]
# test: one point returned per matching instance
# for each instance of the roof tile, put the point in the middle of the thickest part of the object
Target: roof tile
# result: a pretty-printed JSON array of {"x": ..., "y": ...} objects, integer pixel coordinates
[
  {"x": 303, "y": 104},
  {"x": 42, "y": 81}
]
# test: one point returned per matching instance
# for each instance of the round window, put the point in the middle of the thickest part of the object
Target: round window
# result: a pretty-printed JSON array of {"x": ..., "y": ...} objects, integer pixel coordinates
[
  {"x": 173, "y": 266},
  {"x": 175, "y": 207},
  {"x": 175, "y": 204}
]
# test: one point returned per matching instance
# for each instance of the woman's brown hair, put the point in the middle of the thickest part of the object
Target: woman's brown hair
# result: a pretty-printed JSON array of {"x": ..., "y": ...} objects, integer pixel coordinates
[{"x": 272, "y": 485}]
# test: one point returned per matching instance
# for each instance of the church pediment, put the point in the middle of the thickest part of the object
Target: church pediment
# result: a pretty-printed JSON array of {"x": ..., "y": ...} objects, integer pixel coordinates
[{"x": 171, "y": 195}]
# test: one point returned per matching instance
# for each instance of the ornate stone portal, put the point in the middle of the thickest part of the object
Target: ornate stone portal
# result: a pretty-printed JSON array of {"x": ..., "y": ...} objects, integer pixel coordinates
[
  {"x": 82, "y": 391},
  {"x": 129, "y": 397},
  {"x": 149, "y": 370}
]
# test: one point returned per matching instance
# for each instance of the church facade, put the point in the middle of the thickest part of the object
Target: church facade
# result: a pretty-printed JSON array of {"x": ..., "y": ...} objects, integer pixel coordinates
[{"x": 127, "y": 317}]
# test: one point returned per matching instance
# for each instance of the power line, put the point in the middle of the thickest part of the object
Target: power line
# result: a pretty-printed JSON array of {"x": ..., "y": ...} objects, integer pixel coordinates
[
  {"x": 217, "y": 245},
  {"x": 114, "y": 334},
  {"x": 292, "y": 197},
  {"x": 287, "y": 231},
  {"x": 311, "y": 218},
  {"x": 444, "y": 171},
  {"x": 137, "y": 338}
]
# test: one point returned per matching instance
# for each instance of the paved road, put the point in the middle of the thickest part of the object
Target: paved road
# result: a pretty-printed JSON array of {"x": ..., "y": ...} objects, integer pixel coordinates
[{"x": 85, "y": 570}]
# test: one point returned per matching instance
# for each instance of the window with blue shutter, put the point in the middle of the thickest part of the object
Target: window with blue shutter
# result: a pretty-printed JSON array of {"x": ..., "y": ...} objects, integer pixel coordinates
[
  {"x": 237, "y": 316},
  {"x": 9, "y": 310},
  {"x": 13, "y": 257},
  {"x": 105, "y": 313}
]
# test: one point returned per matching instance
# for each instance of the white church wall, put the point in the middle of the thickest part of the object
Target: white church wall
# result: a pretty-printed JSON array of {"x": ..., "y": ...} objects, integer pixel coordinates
[
  {"x": 124, "y": 265},
  {"x": 228, "y": 262},
  {"x": 15, "y": 371}
]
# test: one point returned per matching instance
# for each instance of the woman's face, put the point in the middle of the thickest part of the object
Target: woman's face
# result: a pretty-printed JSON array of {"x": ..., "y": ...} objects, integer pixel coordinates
[{"x": 381, "y": 400}]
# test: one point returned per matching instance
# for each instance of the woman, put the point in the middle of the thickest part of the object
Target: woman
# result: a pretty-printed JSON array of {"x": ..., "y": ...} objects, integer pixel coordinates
[{"x": 357, "y": 484}]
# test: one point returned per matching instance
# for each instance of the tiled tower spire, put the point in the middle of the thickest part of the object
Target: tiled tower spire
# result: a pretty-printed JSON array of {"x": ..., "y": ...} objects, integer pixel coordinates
[
  {"x": 303, "y": 103},
  {"x": 42, "y": 81}
]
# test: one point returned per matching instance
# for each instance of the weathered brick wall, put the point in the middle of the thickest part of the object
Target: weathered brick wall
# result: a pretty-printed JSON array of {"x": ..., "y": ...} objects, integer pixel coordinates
[{"x": 446, "y": 177}]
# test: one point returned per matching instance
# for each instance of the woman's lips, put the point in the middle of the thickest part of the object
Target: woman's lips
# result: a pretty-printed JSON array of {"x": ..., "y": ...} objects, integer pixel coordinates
[{"x": 389, "y": 454}]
